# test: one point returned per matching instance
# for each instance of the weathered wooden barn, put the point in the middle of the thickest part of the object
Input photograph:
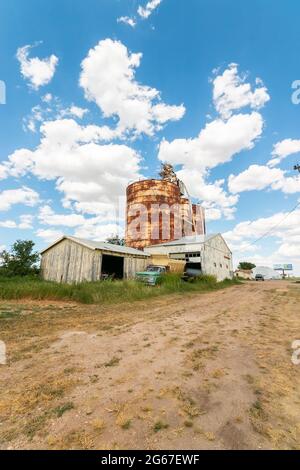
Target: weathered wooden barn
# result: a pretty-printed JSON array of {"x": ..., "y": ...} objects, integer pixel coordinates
[{"x": 74, "y": 260}]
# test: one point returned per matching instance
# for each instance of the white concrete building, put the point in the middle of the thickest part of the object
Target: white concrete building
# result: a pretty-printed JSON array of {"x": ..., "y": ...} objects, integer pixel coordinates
[{"x": 211, "y": 252}]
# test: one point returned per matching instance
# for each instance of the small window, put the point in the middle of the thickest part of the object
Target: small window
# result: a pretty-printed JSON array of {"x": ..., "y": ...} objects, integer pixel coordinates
[
  {"x": 221, "y": 265},
  {"x": 226, "y": 266},
  {"x": 215, "y": 265}
]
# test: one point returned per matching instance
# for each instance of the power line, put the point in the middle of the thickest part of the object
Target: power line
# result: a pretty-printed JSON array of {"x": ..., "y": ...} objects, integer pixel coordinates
[{"x": 269, "y": 232}]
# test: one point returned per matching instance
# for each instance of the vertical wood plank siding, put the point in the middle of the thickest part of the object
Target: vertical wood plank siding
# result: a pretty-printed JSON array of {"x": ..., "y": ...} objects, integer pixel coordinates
[{"x": 70, "y": 262}]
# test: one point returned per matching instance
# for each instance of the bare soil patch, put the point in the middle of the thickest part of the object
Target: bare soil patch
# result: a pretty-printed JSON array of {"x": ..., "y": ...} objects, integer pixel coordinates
[{"x": 193, "y": 371}]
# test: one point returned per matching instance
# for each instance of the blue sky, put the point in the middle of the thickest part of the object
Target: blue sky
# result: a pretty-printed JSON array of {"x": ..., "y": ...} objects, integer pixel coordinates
[{"x": 94, "y": 102}]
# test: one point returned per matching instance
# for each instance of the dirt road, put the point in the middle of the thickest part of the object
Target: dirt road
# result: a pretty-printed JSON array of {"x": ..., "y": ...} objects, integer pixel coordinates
[{"x": 205, "y": 371}]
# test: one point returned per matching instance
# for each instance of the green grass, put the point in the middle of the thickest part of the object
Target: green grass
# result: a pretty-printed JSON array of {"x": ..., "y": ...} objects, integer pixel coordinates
[
  {"x": 103, "y": 292},
  {"x": 160, "y": 426},
  {"x": 61, "y": 410}
]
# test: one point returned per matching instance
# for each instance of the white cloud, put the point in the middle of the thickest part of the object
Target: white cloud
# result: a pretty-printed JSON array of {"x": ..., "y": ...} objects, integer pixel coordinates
[
  {"x": 90, "y": 175},
  {"x": 76, "y": 111},
  {"x": 127, "y": 20},
  {"x": 284, "y": 149},
  {"x": 24, "y": 195},
  {"x": 256, "y": 177},
  {"x": 47, "y": 98},
  {"x": 217, "y": 143},
  {"x": 48, "y": 217},
  {"x": 231, "y": 92},
  {"x": 49, "y": 235},
  {"x": 259, "y": 177},
  {"x": 213, "y": 196},
  {"x": 99, "y": 231},
  {"x": 95, "y": 228},
  {"x": 25, "y": 223},
  {"x": 108, "y": 79},
  {"x": 8, "y": 224},
  {"x": 52, "y": 109},
  {"x": 143, "y": 12},
  {"x": 3, "y": 172},
  {"x": 146, "y": 11},
  {"x": 38, "y": 72},
  {"x": 287, "y": 234}
]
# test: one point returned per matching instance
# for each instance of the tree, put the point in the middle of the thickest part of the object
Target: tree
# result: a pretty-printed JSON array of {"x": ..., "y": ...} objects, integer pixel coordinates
[
  {"x": 115, "y": 240},
  {"x": 246, "y": 266},
  {"x": 21, "y": 260}
]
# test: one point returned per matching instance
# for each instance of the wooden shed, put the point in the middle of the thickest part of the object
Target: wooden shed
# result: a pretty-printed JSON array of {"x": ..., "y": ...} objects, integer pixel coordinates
[{"x": 74, "y": 260}]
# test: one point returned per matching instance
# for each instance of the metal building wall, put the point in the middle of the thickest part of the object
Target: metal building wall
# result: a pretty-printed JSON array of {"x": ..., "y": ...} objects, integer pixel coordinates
[{"x": 217, "y": 259}]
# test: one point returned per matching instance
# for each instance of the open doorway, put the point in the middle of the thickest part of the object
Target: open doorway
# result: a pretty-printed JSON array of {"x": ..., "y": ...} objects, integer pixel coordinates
[{"x": 113, "y": 267}]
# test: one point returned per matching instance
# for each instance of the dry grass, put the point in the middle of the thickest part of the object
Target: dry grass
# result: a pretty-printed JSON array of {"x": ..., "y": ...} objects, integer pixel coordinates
[{"x": 178, "y": 391}]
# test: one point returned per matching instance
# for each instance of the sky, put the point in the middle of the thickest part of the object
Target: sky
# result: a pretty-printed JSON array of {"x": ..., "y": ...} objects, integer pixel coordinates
[{"x": 95, "y": 94}]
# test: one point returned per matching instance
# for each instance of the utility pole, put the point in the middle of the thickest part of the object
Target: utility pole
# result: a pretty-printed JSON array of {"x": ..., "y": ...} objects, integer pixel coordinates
[{"x": 297, "y": 168}]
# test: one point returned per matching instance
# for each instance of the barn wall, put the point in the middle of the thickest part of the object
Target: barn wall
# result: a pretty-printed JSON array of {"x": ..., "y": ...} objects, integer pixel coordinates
[
  {"x": 134, "y": 265},
  {"x": 70, "y": 262},
  {"x": 217, "y": 259}
]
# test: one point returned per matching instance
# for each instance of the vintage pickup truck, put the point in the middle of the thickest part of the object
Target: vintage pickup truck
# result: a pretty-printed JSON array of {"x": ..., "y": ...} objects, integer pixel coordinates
[{"x": 152, "y": 275}]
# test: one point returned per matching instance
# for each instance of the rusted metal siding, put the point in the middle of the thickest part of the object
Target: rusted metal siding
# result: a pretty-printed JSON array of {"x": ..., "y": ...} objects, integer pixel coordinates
[
  {"x": 199, "y": 220},
  {"x": 177, "y": 218},
  {"x": 150, "y": 193}
]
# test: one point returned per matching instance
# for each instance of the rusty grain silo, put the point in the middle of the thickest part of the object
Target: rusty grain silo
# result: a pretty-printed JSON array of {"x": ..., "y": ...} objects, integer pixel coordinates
[
  {"x": 159, "y": 212},
  {"x": 149, "y": 195}
]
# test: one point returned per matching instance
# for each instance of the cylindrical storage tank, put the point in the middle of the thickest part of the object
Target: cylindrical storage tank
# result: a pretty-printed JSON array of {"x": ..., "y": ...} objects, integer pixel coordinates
[
  {"x": 152, "y": 210},
  {"x": 199, "y": 220},
  {"x": 187, "y": 218}
]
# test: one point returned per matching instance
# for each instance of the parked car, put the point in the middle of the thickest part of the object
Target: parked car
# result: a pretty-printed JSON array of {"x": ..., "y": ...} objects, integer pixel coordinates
[
  {"x": 192, "y": 271},
  {"x": 152, "y": 275},
  {"x": 259, "y": 277}
]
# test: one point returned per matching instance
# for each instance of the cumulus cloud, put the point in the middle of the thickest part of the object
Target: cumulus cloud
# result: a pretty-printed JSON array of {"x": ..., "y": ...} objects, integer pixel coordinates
[
  {"x": 143, "y": 12},
  {"x": 282, "y": 226},
  {"x": 93, "y": 231},
  {"x": 218, "y": 142},
  {"x": 215, "y": 199},
  {"x": 49, "y": 235},
  {"x": 259, "y": 177},
  {"x": 127, "y": 20},
  {"x": 51, "y": 109},
  {"x": 38, "y": 72},
  {"x": 90, "y": 175},
  {"x": 48, "y": 217},
  {"x": 232, "y": 92},
  {"x": 24, "y": 195},
  {"x": 25, "y": 223},
  {"x": 95, "y": 228},
  {"x": 146, "y": 11},
  {"x": 108, "y": 79},
  {"x": 284, "y": 149}
]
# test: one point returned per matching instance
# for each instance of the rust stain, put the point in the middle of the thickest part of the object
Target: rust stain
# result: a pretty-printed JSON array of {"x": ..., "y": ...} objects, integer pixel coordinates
[{"x": 163, "y": 212}]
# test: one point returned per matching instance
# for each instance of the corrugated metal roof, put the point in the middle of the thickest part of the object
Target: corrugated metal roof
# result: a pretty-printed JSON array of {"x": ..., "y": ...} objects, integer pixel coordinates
[
  {"x": 192, "y": 240},
  {"x": 103, "y": 246}
]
